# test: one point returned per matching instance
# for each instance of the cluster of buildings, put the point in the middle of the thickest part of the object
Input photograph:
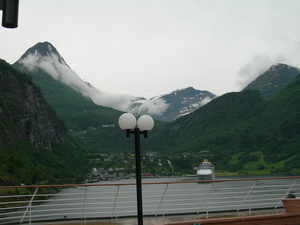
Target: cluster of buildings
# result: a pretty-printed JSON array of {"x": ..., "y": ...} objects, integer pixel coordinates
[{"x": 109, "y": 174}]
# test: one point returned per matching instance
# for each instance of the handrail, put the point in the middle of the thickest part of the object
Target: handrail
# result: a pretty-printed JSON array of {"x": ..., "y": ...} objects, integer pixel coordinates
[
  {"x": 116, "y": 200},
  {"x": 148, "y": 183}
]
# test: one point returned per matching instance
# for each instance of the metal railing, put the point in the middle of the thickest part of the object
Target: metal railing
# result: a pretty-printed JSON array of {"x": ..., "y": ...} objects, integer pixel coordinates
[{"x": 115, "y": 200}]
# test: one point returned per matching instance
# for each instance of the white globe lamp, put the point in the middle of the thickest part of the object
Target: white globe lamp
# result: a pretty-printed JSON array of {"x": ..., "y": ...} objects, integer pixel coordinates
[
  {"x": 145, "y": 123},
  {"x": 127, "y": 121}
]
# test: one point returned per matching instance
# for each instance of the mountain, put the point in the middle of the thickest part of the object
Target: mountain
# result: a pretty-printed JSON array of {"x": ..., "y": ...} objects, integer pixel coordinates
[
  {"x": 239, "y": 128},
  {"x": 88, "y": 123},
  {"x": 45, "y": 57},
  {"x": 179, "y": 103},
  {"x": 234, "y": 128},
  {"x": 34, "y": 143},
  {"x": 61, "y": 89},
  {"x": 273, "y": 80},
  {"x": 44, "y": 61},
  {"x": 94, "y": 126}
]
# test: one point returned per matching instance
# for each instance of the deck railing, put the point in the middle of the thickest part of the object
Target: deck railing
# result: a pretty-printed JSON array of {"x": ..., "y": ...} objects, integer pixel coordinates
[{"x": 28, "y": 204}]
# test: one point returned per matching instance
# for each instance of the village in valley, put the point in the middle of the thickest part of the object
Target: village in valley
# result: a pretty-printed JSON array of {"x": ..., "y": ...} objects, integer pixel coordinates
[{"x": 122, "y": 165}]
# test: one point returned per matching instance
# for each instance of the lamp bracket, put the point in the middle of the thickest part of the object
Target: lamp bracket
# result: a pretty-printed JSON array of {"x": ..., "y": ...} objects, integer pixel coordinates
[{"x": 145, "y": 133}]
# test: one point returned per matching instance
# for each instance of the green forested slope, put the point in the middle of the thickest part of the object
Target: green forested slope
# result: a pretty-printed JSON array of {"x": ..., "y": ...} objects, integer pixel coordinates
[
  {"x": 63, "y": 99},
  {"x": 34, "y": 143},
  {"x": 240, "y": 124}
]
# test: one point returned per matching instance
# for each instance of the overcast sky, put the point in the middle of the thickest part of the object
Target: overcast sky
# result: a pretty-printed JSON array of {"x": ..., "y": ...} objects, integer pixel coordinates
[{"x": 152, "y": 47}]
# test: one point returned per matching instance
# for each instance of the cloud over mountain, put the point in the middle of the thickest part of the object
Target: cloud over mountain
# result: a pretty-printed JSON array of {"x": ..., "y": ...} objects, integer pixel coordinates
[
  {"x": 45, "y": 57},
  {"x": 256, "y": 66}
]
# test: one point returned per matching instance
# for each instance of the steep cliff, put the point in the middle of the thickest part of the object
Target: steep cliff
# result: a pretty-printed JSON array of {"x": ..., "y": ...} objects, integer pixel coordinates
[
  {"x": 24, "y": 113},
  {"x": 34, "y": 142}
]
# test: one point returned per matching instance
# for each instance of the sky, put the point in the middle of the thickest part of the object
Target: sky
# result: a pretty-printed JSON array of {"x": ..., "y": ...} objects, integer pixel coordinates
[{"x": 152, "y": 47}]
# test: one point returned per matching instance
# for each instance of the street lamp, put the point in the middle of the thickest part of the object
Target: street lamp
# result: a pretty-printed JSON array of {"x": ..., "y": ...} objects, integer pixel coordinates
[{"x": 145, "y": 123}]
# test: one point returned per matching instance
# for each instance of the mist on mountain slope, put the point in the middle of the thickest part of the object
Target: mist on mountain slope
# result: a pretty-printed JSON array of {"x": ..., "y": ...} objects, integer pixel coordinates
[
  {"x": 55, "y": 66},
  {"x": 259, "y": 64}
]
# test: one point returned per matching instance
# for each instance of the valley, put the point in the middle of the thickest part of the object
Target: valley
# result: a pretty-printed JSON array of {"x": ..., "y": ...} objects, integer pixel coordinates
[{"x": 247, "y": 132}]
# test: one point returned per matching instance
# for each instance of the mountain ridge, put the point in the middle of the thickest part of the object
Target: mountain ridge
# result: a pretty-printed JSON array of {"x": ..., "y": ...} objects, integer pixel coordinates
[
  {"x": 45, "y": 57},
  {"x": 165, "y": 107},
  {"x": 237, "y": 127}
]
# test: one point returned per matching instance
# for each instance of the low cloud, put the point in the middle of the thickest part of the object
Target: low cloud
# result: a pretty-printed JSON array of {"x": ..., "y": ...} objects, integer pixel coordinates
[
  {"x": 153, "y": 107},
  {"x": 59, "y": 70},
  {"x": 259, "y": 64},
  {"x": 205, "y": 101}
]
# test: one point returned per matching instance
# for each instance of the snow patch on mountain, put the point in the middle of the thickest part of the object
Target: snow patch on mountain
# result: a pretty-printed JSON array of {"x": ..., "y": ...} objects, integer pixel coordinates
[{"x": 178, "y": 103}]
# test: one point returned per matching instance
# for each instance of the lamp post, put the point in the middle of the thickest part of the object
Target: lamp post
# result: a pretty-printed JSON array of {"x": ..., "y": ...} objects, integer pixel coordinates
[{"x": 145, "y": 123}]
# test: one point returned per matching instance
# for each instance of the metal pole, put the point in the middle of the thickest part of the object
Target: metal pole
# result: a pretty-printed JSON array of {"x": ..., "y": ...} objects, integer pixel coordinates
[{"x": 138, "y": 176}]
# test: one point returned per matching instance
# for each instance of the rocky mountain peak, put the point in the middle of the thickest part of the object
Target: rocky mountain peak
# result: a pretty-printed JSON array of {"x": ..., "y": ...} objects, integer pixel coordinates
[
  {"x": 178, "y": 103},
  {"x": 273, "y": 80},
  {"x": 41, "y": 51}
]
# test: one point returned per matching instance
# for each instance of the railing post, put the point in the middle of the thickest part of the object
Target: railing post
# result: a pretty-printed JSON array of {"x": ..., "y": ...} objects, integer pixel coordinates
[
  {"x": 29, "y": 206},
  {"x": 248, "y": 196},
  {"x": 161, "y": 202},
  {"x": 84, "y": 203},
  {"x": 205, "y": 200},
  {"x": 115, "y": 203}
]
